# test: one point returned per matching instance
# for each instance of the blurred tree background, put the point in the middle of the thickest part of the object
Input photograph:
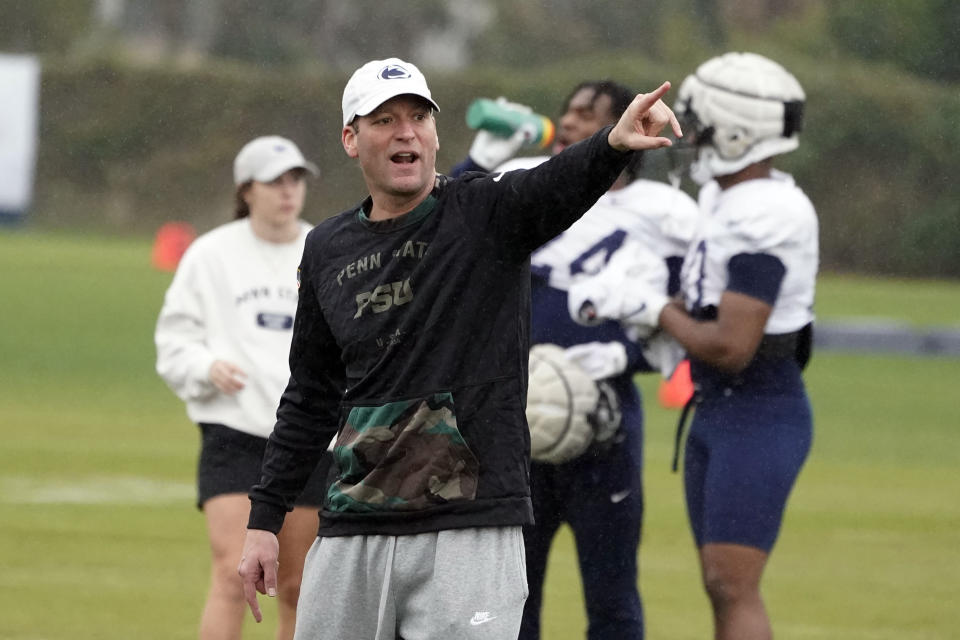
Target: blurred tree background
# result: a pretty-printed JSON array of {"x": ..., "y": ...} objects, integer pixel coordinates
[{"x": 145, "y": 102}]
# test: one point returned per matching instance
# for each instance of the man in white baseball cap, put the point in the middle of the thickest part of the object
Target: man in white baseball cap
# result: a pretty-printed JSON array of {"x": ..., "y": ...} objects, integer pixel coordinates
[
  {"x": 265, "y": 158},
  {"x": 409, "y": 353},
  {"x": 379, "y": 80}
]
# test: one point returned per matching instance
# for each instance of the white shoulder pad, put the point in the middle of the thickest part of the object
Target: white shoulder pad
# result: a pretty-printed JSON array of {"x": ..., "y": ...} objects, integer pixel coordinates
[
  {"x": 661, "y": 217},
  {"x": 764, "y": 215},
  {"x": 682, "y": 215}
]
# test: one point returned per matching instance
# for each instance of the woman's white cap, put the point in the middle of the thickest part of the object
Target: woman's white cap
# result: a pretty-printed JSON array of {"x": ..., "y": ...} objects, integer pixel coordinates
[
  {"x": 266, "y": 158},
  {"x": 379, "y": 80}
]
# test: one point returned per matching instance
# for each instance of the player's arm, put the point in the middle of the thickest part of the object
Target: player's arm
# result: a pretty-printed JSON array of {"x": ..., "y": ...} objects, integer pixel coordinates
[
  {"x": 730, "y": 342},
  {"x": 727, "y": 343}
]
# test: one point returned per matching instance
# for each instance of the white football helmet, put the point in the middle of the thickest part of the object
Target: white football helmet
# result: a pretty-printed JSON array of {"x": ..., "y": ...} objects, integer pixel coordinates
[
  {"x": 737, "y": 109},
  {"x": 560, "y": 398}
]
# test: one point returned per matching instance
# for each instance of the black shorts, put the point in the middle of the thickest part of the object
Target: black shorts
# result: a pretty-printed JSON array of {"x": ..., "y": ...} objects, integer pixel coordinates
[{"x": 230, "y": 463}]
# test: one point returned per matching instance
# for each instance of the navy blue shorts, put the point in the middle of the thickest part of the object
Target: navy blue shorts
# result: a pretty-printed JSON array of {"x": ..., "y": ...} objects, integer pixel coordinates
[
  {"x": 742, "y": 457},
  {"x": 230, "y": 463}
]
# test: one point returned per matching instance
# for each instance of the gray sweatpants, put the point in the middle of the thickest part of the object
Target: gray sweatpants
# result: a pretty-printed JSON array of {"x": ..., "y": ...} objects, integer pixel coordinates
[{"x": 459, "y": 583}]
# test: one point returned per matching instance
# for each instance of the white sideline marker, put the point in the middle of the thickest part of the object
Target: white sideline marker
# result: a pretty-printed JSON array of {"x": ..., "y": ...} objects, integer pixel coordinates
[{"x": 93, "y": 490}]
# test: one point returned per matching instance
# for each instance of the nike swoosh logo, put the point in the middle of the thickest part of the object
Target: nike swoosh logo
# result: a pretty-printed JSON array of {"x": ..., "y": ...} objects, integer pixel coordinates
[
  {"x": 497, "y": 179},
  {"x": 619, "y": 496},
  {"x": 480, "y": 618}
]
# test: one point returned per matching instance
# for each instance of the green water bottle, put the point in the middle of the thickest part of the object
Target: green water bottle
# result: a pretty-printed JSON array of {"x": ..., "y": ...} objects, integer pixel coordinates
[{"x": 503, "y": 120}]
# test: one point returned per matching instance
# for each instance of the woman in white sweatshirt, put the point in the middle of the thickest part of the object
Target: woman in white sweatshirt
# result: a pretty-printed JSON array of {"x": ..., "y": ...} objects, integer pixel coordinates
[{"x": 223, "y": 339}]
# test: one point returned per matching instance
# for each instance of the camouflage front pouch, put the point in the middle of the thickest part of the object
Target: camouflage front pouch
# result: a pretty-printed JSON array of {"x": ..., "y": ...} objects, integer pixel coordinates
[{"x": 402, "y": 456}]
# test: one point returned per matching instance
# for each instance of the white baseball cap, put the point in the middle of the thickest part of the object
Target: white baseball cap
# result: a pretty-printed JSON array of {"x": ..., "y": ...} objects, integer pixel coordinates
[
  {"x": 263, "y": 159},
  {"x": 379, "y": 80}
]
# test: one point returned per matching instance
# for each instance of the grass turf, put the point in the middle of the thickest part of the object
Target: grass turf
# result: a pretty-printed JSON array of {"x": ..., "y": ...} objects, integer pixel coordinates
[{"x": 99, "y": 537}]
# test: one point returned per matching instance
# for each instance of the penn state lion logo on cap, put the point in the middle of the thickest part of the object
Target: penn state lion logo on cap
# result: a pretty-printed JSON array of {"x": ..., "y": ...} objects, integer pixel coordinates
[{"x": 394, "y": 72}]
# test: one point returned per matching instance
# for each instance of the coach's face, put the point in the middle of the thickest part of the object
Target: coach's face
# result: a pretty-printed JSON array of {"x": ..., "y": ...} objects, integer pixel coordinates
[
  {"x": 397, "y": 147},
  {"x": 586, "y": 113}
]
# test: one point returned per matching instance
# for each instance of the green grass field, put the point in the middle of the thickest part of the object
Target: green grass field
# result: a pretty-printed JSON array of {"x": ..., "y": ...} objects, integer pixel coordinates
[{"x": 99, "y": 537}]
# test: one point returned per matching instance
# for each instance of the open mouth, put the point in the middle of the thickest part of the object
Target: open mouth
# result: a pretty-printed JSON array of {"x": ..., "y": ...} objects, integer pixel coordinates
[{"x": 406, "y": 157}]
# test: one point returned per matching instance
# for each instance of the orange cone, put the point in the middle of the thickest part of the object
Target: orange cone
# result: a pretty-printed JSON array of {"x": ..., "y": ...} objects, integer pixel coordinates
[
  {"x": 172, "y": 240},
  {"x": 677, "y": 390}
]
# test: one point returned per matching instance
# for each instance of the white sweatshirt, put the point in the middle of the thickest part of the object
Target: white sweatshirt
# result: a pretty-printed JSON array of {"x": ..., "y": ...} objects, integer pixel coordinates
[{"x": 233, "y": 298}]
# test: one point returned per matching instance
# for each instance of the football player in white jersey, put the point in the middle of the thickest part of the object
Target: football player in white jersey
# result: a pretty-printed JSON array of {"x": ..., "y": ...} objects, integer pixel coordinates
[
  {"x": 745, "y": 321},
  {"x": 599, "y": 493},
  {"x": 223, "y": 338}
]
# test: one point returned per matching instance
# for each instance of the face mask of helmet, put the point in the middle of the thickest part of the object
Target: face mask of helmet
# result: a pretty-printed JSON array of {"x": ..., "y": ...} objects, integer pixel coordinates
[
  {"x": 740, "y": 108},
  {"x": 684, "y": 151}
]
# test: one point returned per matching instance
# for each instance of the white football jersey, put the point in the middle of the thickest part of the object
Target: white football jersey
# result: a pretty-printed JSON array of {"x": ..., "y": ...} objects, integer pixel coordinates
[
  {"x": 648, "y": 221},
  {"x": 765, "y": 216},
  {"x": 661, "y": 218}
]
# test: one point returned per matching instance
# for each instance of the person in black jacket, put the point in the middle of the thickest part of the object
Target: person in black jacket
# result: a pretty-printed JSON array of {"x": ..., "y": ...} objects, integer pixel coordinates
[{"x": 410, "y": 352}]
